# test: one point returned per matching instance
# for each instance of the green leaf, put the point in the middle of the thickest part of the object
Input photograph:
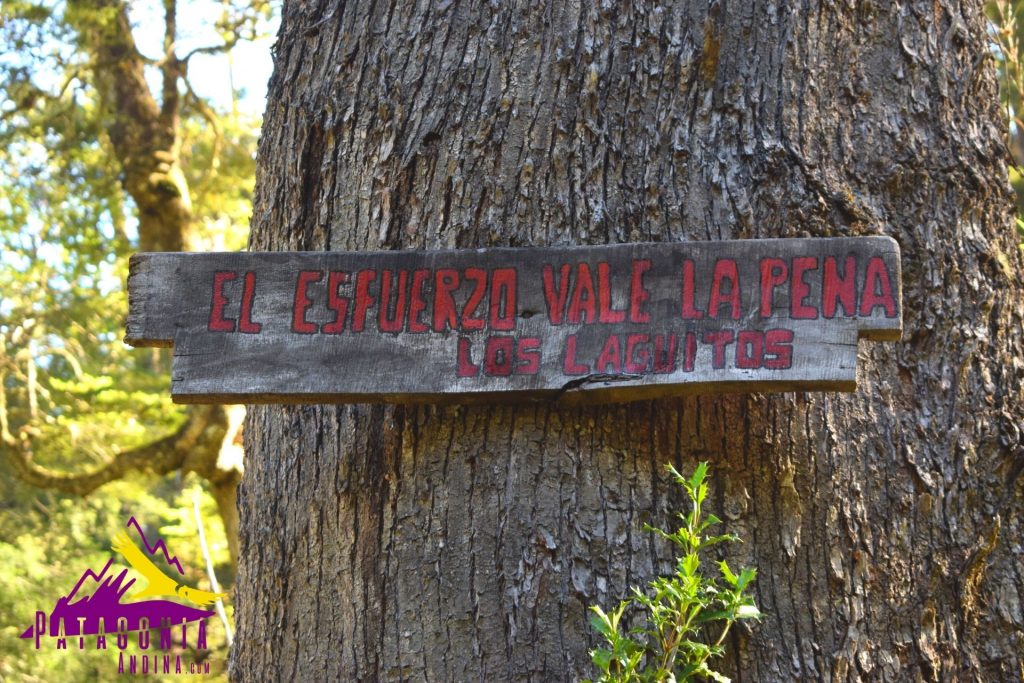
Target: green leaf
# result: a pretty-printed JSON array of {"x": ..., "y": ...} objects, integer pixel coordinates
[
  {"x": 710, "y": 520},
  {"x": 712, "y": 540},
  {"x": 714, "y": 675},
  {"x": 680, "y": 479},
  {"x": 727, "y": 574},
  {"x": 600, "y": 622},
  {"x": 748, "y": 612},
  {"x": 601, "y": 658},
  {"x": 617, "y": 613},
  {"x": 698, "y": 650},
  {"x": 716, "y": 615},
  {"x": 698, "y": 475},
  {"x": 747, "y": 575}
]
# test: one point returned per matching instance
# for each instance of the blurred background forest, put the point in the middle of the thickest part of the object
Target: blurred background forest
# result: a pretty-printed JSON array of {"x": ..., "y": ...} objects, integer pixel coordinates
[
  {"x": 129, "y": 125},
  {"x": 124, "y": 126}
]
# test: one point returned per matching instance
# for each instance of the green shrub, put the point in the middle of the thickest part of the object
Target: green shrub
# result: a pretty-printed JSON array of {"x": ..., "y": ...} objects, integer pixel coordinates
[{"x": 682, "y": 610}]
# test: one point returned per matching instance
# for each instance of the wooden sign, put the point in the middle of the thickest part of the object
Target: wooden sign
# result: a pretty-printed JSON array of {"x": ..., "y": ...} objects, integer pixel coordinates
[{"x": 616, "y": 322}]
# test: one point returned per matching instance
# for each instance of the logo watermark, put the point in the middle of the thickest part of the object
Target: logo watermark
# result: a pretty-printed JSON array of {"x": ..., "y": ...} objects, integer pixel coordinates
[{"x": 145, "y": 622}]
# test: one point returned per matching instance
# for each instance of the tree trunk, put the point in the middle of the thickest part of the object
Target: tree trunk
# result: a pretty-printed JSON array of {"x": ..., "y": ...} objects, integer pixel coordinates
[
  {"x": 465, "y": 543},
  {"x": 146, "y": 136}
]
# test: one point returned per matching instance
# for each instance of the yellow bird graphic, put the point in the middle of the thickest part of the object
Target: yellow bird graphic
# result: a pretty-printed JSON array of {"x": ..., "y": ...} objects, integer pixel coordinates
[{"x": 159, "y": 583}]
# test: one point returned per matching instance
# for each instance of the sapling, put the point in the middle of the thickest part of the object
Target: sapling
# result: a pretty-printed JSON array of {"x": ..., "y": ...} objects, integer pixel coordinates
[{"x": 687, "y": 615}]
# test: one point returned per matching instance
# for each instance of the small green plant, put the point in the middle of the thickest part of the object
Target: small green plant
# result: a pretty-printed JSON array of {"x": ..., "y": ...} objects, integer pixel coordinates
[{"x": 687, "y": 615}]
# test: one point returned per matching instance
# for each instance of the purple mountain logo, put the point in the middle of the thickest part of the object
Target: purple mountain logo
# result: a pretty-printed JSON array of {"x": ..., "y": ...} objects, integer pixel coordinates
[
  {"x": 159, "y": 545},
  {"x": 99, "y": 604}
]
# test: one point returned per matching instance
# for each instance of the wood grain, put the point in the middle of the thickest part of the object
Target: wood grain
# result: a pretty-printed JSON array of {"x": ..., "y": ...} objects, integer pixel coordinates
[{"x": 596, "y": 323}]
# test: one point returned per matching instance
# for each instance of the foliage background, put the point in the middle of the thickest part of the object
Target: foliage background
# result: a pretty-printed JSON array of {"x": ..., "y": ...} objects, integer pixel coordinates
[
  {"x": 1007, "y": 30},
  {"x": 68, "y": 385}
]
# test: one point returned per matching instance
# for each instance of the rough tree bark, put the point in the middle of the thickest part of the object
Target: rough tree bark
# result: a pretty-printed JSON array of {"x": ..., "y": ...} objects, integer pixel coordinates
[{"x": 399, "y": 543}]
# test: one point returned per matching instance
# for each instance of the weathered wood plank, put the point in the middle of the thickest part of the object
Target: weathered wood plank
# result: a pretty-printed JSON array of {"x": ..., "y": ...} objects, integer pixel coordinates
[{"x": 616, "y": 322}]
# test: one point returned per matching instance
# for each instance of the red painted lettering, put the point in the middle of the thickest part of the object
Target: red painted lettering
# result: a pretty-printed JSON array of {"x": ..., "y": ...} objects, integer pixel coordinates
[
  {"x": 719, "y": 339},
  {"x": 839, "y": 290},
  {"x": 582, "y": 307},
  {"x": 778, "y": 349},
  {"x": 464, "y": 363},
  {"x": 498, "y": 356},
  {"x": 336, "y": 302},
  {"x": 877, "y": 289},
  {"x": 725, "y": 269},
  {"x": 773, "y": 273},
  {"x": 479, "y": 278},
  {"x": 799, "y": 290},
  {"x": 665, "y": 355},
  {"x": 607, "y": 314},
  {"x": 637, "y": 357},
  {"x": 610, "y": 355},
  {"x": 569, "y": 365},
  {"x": 218, "y": 323},
  {"x": 528, "y": 356},
  {"x": 638, "y": 294},
  {"x": 556, "y": 300},
  {"x": 749, "y": 349},
  {"x": 363, "y": 299},
  {"x": 690, "y": 312},
  {"x": 690, "y": 352},
  {"x": 446, "y": 281},
  {"x": 245, "y": 323},
  {"x": 302, "y": 302},
  {"x": 386, "y": 321},
  {"x": 503, "y": 299},
  {"x": 417, "y": 304}
]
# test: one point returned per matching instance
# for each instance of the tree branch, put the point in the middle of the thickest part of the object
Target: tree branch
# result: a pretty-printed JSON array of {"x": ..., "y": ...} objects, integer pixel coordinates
[
  {"x": 144, "y": 135},
  {"x": 32, "y": 379},
  {"x": 194, "y": 447},
  {"x": 210, "y": 50},
  {"x": 5, "y": 432},
  {"x": 170, "y": 67},
  {"x": 218, "y": 138}
]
